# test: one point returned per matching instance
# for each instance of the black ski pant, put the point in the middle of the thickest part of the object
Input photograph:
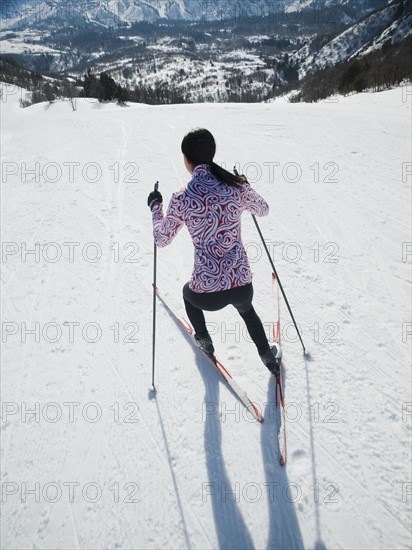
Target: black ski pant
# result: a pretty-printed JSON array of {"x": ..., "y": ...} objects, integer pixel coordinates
[{"x": 239, "y": 297}]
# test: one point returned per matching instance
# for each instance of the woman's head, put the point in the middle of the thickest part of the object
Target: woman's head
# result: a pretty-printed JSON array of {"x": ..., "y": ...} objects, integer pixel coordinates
[{"x": 199, "y": 146}]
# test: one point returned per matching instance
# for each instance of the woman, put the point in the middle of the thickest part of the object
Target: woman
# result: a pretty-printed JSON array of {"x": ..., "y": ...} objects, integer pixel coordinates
[{"x": 211, "y": 208}]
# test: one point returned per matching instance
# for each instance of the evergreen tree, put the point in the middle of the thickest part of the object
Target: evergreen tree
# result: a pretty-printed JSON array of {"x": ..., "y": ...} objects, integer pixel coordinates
[{"x": 108, "y": 88}]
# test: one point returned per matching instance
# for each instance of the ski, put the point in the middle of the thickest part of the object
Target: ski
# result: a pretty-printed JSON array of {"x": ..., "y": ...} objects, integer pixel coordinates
[
  {"x": 241, "y": 394},
  {"x": 280, "y": 401}
]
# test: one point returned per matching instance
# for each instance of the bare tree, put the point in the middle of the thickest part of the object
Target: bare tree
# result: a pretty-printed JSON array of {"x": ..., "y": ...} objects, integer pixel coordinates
[{"x": 70, "y": 91}]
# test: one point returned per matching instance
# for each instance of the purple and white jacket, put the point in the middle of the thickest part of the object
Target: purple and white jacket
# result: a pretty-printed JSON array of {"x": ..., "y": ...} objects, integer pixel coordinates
[{"x": 211, "y": 211}]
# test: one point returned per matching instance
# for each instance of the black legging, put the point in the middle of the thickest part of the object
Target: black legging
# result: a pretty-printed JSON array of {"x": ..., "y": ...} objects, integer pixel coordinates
[{"x": 239, "y": 297}]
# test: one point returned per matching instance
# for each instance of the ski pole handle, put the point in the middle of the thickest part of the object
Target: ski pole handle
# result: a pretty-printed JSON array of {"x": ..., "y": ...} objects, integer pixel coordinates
[
  {"x": 237, "y": 174},
  {"x": 156, "y": 186}
]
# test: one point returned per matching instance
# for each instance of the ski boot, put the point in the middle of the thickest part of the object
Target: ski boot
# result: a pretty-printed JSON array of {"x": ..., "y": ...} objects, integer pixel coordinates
[
  {"x": 206, "y": 345},
  {"x": 272, "y": 358}
]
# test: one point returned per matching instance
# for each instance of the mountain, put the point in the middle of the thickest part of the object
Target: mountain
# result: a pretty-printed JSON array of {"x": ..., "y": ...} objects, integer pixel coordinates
[
  {"x": 95, "y": 12},
  {"x": 113, "y": 12},
  {"x": 391, "y": 23},
  {"x": 18, "y": 14},
  {"x": 199, "y": 57}
]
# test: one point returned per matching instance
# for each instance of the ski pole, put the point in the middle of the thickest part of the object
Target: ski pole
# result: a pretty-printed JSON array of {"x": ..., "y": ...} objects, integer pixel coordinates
[
  {"x": 156, "y": 187},
  {"x": 276, "y": 275}
]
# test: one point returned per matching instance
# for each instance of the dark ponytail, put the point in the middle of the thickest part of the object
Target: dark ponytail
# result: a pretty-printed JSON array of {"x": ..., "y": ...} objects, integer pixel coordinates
[
  {"x": 223, "y": 175},
  {"x": 199, "y": 146}
]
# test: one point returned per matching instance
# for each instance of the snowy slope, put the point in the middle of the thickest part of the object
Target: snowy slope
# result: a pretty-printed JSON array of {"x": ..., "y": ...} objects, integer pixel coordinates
[
  {"x": 397, "y": 31},
  {"x": 392, "y": 22},
  {"x": 141, "y": 470}
]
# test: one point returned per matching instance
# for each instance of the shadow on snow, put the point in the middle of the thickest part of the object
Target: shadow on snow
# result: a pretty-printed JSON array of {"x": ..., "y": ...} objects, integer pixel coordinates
[{"x": 231, "y": 527}]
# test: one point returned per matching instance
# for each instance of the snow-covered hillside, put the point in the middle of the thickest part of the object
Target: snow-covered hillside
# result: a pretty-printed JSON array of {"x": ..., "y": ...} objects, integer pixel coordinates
[
  {"x": 201, "y": 51},
  {"x": 108, "y": 465},
  {"x": 392, "y": 23}
]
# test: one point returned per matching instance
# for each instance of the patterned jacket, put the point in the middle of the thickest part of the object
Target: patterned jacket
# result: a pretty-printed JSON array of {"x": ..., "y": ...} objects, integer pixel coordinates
[{"x": 211, "y": 211}]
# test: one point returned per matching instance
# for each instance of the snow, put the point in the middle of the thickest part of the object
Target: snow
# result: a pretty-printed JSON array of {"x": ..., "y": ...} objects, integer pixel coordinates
[
  {"x": 395, "y": 33},
  {"x": 298, "y": 5},
  {"x": 347, "y": 43},
  {"x": 18, "y": 47},
  {"x": 24, "y": 42},
  {"x": 258, "y": 37},
  {"x": 156, "y": 461}
]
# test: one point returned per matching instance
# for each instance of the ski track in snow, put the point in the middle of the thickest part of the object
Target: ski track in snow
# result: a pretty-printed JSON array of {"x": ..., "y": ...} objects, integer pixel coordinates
[{"x": 209, "y": 480}]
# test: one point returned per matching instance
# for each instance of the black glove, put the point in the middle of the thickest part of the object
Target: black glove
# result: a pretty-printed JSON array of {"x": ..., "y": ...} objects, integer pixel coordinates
[{"x": 154, "y": 197}]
